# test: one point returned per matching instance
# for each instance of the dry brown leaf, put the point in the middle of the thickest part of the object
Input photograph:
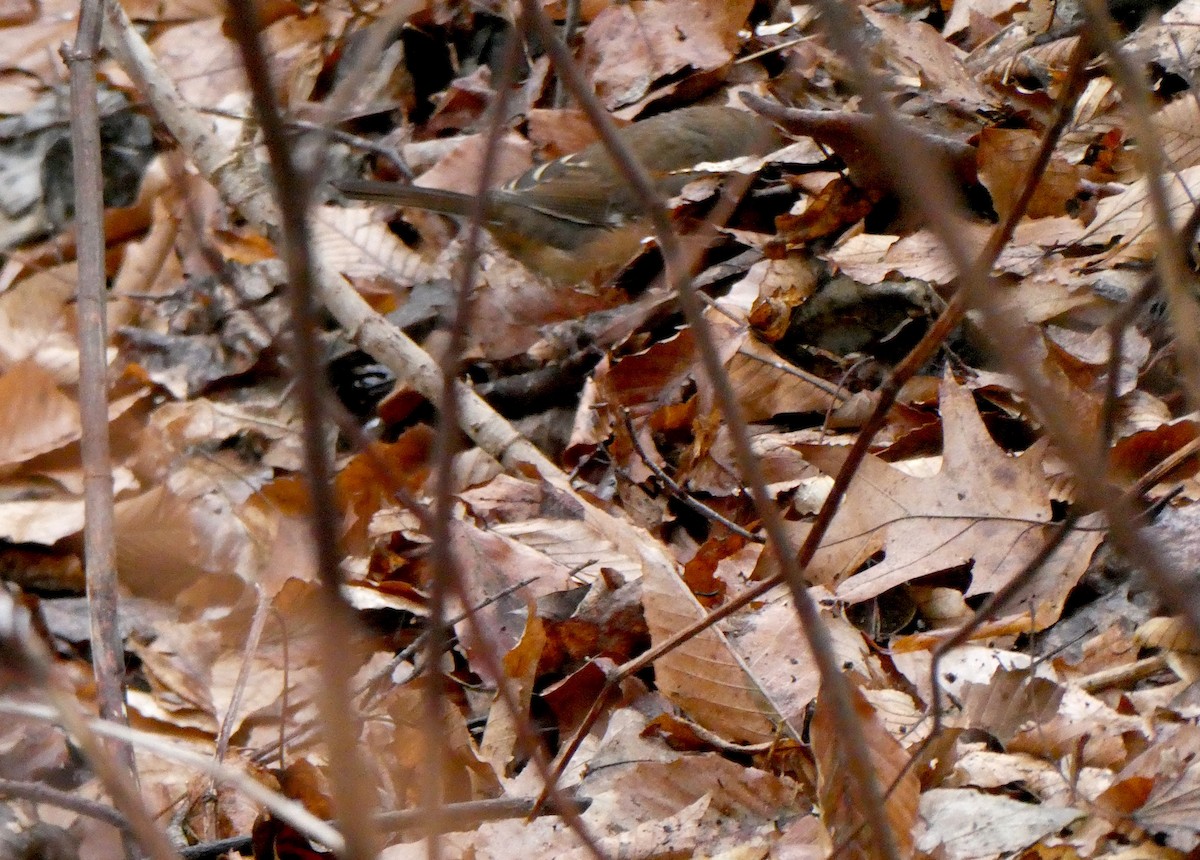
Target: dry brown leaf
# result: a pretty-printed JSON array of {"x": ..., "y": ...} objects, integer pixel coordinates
[
  {"x": 776, "y": 653},
  {"x": 1007, "y": 702},
  {"x": 1127, "y": 217},
  {"x": 871, "y": 258},
  {"x": 572, "y": 544},
  {"x": 1177, "y": 124},
  {"x": 628, "y": 48},
  {"x": 490, "y": 565},
  {"x": 556, "y": 132},
  {"x": 916, "y": 50},
  {"x": 37, "y": 416},
  {"x": 37, "y": 322},
  {"x": 1167, "y": 776},
  {"x": 1173, "y": 634},
  {"x": 406, "y": 760},
  {"x": 1084, "y": 726},
  {"x": 984, "y": 507},
  {"x": 458, "y": 170},
  {"x": 647, "y": 782},
  {"x": 704, "y": 676},
  {"x": 31, "y": 48},
  {"x": 1178, "y": 639},
  {"x": 203, "y": 62},
  {"x": 989, "y": 770},
  {"x": 839, "y": 794},
  {"x": 964, "y": 11},
  {"x": 1171, "y": 44},
  {"x": 500, "y": 738},
  {"x": 767, "y": 385},
  {"x": 156, "y": 544},
  {"x": 1004, "y": 158}
]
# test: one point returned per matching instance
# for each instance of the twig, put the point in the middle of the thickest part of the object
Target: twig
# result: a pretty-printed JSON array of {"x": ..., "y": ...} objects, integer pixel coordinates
[
  {"x": 352, "y": 797},
  {"x": 834, "y": 391},
  {"x": 262, "y": 608},
  {"x": 1119, "y": 676},
  {"x": 1170, "y": 258},
  {"x": 38, "y": 793},
  {"x": 460, "y": 816},
  {"x": 108, "y": 661},
  {"x": 445, "y": 440},
  {"x": 678, "y": 491},
  {"x": 84, "y": 732}
]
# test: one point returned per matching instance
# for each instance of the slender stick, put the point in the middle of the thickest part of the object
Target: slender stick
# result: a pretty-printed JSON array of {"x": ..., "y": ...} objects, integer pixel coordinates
[
  {"x": 108, "y": 662},
  {"x": 352, "y": 794}
]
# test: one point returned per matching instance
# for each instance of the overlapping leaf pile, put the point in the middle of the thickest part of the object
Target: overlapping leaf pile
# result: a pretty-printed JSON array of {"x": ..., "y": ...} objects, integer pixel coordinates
[{"x": 1068, "y": 725}]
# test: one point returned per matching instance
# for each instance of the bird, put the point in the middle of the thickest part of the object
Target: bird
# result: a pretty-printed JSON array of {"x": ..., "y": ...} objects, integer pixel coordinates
[{"x": 577, "y": 216}]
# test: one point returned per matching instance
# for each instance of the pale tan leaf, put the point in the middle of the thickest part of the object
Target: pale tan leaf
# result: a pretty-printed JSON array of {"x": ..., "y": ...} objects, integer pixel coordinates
[
  {"x": 1179, "y": 129},
  {"x": 870, "y": 259},
  {"x": 203, "y": 62},
  {"x": 647, "y": 782},
  {"x": 1004, "y": 157},
  {"x": 1171, "y": 810},
  {"x": 1173, "y": 634},
  {"x": 1008, "y": 702},
  {"x": 1171, "y": 44},
  {"x": 492, "y": 565},
  {"x": 37, "y": 322},
  {"x": 970, "y": 825},
  {"x": 767, "y": 385},
  {"x": 573, "y": 544},
  {"x": 1104, "y": 731},
  {"x": 458, "y": 170},
  {"x": 776, "y": 652},
  {"x": 987, "y": 769},
  {"x": 356, "y": 243},
  {"x": 156, "y": 544},
  {"x": 1127, "y": 216},
  {"x": 914, "y": 49}
]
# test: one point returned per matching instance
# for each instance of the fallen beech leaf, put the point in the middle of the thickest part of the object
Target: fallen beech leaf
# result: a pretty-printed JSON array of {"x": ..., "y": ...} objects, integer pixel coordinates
[
  {"x": 355, "y": 242},
  {"x": 704, "y": 675},
  {"x": 1004, "y": 156},
  {"x": 499, "y": 744},
  {"x": 971, "y": 825},
  {"x": 37, "y": 416},
  {"x": 839, "y": 792}
]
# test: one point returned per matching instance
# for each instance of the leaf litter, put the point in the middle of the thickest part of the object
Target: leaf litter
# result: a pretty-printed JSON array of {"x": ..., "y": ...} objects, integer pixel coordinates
[{"x": 1069, "y": 719}]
